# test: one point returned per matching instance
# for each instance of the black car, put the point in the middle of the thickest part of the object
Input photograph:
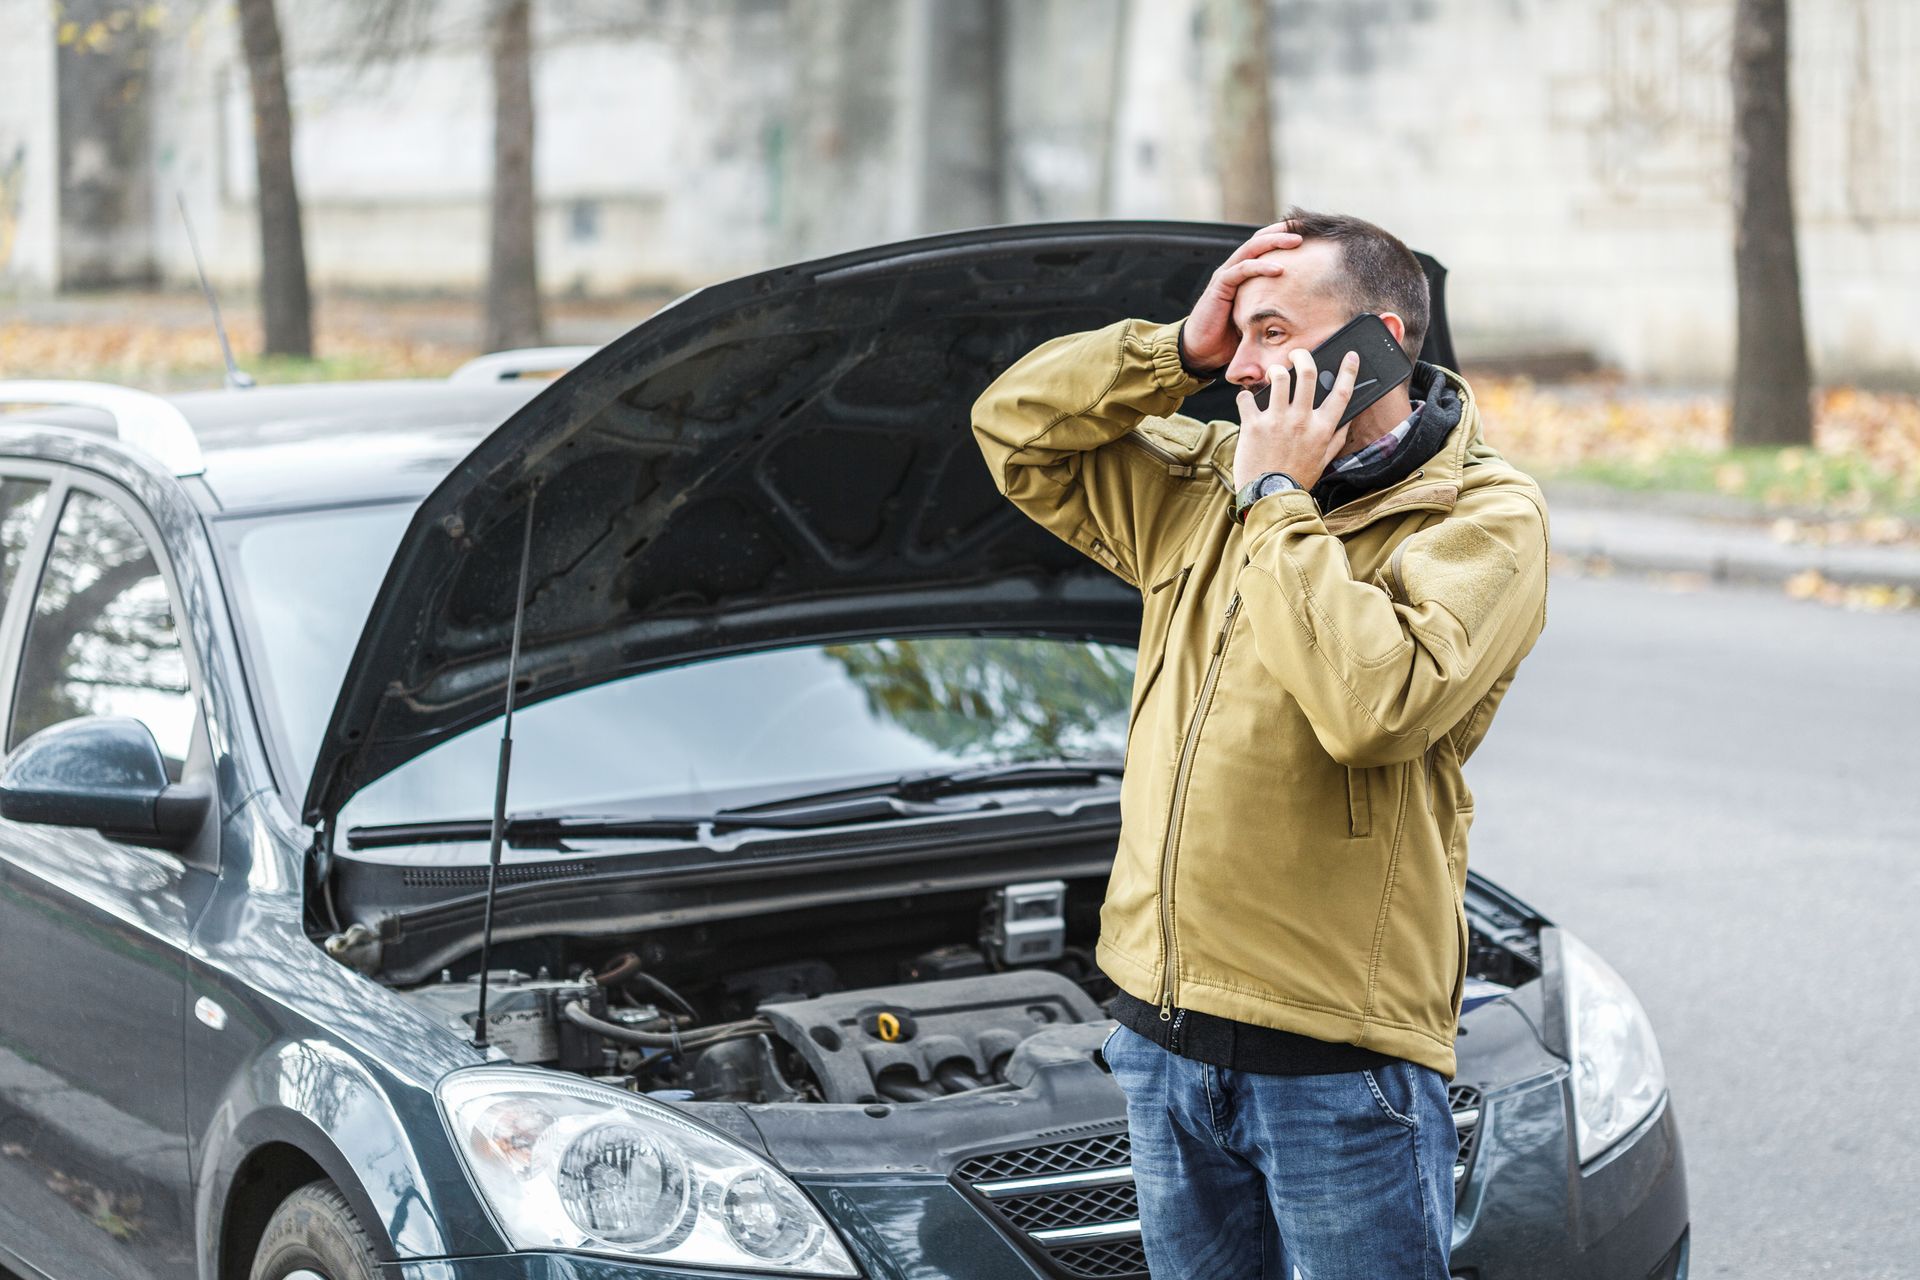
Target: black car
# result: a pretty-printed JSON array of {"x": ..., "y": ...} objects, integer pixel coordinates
[{"x": 813, "y": 796}]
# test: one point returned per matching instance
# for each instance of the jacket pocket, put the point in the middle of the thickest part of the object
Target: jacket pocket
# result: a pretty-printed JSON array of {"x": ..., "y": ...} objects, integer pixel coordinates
[
  {"x": 1359, "y": 803},
  {"x": 1162, "y": 600}
]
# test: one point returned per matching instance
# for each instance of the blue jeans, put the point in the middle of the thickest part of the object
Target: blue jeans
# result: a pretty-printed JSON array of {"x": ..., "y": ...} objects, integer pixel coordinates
[{"x": 1246, "y": 1176}]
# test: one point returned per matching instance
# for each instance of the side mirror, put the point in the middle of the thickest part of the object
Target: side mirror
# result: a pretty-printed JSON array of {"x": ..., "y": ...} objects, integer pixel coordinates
[{"x": 104, "y": 772}]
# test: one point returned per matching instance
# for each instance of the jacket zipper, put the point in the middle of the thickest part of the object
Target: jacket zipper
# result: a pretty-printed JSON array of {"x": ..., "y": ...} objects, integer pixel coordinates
[
  {"x": 1174, "y": 466},
  {"x": 1180, "y": 776}
]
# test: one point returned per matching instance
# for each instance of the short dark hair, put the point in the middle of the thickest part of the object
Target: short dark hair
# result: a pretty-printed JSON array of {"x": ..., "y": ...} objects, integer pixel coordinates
[{"x": 1381, "y": 273}]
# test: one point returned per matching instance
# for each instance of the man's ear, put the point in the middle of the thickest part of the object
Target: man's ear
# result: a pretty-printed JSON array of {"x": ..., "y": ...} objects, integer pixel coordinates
[{"x": 1395, "y": 326}]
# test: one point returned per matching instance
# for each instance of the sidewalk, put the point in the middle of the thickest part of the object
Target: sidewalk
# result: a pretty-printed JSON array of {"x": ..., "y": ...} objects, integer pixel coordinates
[{"x": 1649, "y": 536}]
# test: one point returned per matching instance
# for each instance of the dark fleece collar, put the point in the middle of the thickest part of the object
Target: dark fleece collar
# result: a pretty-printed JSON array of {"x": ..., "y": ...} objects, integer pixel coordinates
[{"x": 1439, "y": 415}]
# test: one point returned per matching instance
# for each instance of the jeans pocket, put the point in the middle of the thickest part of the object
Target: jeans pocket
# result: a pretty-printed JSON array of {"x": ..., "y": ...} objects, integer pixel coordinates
[
  {"x": 1106, "y": 1046},
  {"x": 1392, "y": 1079}
]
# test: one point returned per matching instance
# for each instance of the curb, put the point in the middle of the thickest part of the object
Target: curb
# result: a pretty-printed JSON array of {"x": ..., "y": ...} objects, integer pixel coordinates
[{"x": 1657, "y": 543}]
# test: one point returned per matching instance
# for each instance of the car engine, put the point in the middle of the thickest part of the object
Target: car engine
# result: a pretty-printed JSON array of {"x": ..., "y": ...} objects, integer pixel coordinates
[
  {"x": 966, "y": 1018},
  {"x": 746, "y": 1014}
]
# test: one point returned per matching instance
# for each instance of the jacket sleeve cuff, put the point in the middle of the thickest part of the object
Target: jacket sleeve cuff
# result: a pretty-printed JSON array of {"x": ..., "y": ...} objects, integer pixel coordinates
[
  {"x": 1169, "y": 374},
  {"x": 1277, "y": 511}
]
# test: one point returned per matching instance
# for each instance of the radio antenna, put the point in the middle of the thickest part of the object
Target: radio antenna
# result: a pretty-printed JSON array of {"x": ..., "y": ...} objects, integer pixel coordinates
[
  {"x": 500, "y": 780},
  {"x": 237, "y": 380}
]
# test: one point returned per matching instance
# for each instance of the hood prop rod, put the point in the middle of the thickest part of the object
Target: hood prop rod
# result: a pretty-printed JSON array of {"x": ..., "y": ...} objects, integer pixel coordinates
[{"x": 498, "y": 834}]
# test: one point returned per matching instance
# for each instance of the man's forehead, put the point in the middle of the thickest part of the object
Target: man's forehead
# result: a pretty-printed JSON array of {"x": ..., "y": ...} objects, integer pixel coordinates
[{"x": 1300, "y": 293}]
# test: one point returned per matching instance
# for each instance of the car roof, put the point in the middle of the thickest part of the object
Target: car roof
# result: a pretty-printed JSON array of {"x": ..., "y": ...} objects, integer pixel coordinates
[{"x": 324, "y": 444}]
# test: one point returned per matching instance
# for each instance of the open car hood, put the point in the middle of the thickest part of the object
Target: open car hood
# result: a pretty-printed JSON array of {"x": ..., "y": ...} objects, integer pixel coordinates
[{"x": 780, "y": 459}]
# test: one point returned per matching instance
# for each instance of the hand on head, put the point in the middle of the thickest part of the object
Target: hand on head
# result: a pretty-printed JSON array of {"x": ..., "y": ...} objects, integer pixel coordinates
[
  {"x": 1264, "y": 311},
  {"x": 1209, "y": 337}
]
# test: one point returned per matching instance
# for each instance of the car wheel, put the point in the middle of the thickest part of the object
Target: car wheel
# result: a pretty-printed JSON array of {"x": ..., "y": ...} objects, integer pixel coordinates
[{"x": 313, "y": 1236}]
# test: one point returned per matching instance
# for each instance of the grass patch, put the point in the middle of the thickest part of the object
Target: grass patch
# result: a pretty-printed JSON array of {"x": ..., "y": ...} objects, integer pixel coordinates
[
  {"x": 1864, "y": 460},
  {"x": 1778, "y": 479}
]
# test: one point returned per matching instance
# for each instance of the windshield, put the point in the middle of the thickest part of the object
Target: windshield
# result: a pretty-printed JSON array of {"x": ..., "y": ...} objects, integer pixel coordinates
[{"x": 685, "y": 738}]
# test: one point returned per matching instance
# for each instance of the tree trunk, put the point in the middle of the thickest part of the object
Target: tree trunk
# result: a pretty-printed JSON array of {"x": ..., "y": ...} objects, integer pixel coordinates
[
  {"x": 513, "y": 275},
  {"x": 1242, "y": 109},
  {"x": 963, "y": 151},
  {"x": 286, "y": 307},
  {"x": 1770, "y": 378}
]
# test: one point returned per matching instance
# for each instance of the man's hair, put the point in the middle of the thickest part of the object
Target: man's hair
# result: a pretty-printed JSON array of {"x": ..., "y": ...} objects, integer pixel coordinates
[{"x": 1381, "y": 273}]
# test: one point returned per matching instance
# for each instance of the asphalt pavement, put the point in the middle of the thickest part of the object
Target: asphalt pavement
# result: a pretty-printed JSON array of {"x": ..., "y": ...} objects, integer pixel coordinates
[{"x": 1720, "y": 790}]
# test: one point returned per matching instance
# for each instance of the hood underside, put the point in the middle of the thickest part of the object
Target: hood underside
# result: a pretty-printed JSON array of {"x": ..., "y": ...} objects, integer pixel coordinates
[{"x": 779, "y": 459}]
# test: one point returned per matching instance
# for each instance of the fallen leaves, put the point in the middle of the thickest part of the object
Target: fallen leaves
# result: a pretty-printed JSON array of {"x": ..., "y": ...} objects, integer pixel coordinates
[
  {"x": 1864, "y": 462},
  {"x": 1879, "y": 531},
  {"x": 171, "y": 358},
  {"x": 1811, "y": 584}
]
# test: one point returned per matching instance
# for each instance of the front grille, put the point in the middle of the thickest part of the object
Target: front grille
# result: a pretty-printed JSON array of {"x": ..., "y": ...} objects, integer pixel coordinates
[
  {"x": 1074, "y": 1202},
  {"x": 1072, "y": 1208},
  {"x": 1103, "y": 1261},
  {"x": 1468, "y": 1112},
  {"x": 1103, "y": 1151},
  {"x": 1047, "y": 1194}
]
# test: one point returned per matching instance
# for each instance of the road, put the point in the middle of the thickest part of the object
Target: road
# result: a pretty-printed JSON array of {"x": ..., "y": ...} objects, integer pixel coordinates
[{"x": 1720, "y": 790}]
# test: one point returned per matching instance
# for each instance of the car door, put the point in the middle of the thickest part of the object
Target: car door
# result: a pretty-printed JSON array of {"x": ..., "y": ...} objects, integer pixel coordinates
[{"x": 94, "y": 1174}]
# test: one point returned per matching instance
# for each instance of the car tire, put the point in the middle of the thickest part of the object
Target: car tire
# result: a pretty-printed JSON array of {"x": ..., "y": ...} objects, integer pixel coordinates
[{"x": 313, "y": 1235}]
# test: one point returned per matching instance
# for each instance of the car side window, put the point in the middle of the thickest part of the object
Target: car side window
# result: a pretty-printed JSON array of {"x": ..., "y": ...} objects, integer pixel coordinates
[
  {"x": 102, "y": 639},
  {"x": 21, "y": 502}
]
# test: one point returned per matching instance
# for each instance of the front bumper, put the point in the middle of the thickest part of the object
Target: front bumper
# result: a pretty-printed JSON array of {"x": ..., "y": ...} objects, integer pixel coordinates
[
  {"x": 1529, "y": 1208},
  {"x": 905, "y": 1228}
]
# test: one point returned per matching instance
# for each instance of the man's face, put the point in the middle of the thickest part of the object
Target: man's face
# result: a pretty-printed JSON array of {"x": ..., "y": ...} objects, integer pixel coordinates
[{"x": 1301, "y": 307}]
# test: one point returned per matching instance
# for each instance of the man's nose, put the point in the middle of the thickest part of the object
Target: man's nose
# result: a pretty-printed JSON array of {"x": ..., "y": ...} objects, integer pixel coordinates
[{"x": 1246, "y": 369}]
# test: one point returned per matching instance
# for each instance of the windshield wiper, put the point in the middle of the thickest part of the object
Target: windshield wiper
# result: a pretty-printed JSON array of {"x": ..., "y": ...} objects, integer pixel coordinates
[
  {"x": 939, "y": 783},
  {"x": 907, "y": 796},
  {"x": 532, "y": 831}
]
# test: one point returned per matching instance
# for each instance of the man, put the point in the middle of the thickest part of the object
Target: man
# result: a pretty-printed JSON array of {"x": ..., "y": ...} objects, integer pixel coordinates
[{"x": 1332, "y": 615}]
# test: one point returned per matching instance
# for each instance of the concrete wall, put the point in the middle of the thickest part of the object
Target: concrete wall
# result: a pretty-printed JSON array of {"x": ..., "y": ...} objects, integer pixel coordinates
[
  {"x": 658, "y": 153},
  {"x": 1568, "y": 159},
  {"x": 29, "y": 157}
]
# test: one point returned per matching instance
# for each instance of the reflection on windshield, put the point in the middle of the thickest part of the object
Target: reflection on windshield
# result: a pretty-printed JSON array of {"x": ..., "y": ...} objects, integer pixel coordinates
[
  {"x": 1008, "y": 699},
  {"x": 703, "y": 735},
  {"x": 685, "y": 739}
]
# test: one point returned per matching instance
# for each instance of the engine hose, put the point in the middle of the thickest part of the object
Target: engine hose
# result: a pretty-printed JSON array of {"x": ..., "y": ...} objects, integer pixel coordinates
[
  {"x": 704, "y": 1038},
  {"x": 955, "y": 1078},
  {"x": 902, "y": 1091},
  {"x": 624, "y": 967},
  {"x": 669, "y": 993}
]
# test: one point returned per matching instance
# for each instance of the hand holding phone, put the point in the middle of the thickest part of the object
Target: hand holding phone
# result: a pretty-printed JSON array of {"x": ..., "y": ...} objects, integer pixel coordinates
[
  {"x": 1300, "y": 436},
  {"x": 1383, "y": 365}
]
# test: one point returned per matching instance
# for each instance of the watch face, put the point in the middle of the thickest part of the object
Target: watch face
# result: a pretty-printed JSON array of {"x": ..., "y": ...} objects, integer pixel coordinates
[{"x": 1275, "y": 484}]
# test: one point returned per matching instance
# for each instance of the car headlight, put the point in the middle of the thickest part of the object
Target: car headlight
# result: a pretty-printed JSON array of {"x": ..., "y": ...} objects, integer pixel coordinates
[
  {"x": 568, "y": 1164},
  {"x": 1617, "y": 1073}
]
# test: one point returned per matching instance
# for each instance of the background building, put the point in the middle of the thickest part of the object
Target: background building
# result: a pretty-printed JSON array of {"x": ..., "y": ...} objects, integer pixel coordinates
[{"x": 1569, "y": 160}]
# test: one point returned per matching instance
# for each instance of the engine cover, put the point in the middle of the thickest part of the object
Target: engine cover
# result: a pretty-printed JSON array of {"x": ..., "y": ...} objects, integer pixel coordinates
[{"x": 925, "y": 1039}]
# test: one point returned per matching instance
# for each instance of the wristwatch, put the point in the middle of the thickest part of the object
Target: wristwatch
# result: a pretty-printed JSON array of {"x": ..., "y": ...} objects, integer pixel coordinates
[{"x": 1257, "y": 488}]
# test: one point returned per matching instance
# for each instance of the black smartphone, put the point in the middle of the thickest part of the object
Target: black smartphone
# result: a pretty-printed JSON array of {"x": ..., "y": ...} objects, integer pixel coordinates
[{"x": 1383, "y": 365}]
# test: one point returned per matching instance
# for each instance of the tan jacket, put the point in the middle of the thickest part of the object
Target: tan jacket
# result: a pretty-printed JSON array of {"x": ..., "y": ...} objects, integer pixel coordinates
[{"x": 1293, "y": 844}]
